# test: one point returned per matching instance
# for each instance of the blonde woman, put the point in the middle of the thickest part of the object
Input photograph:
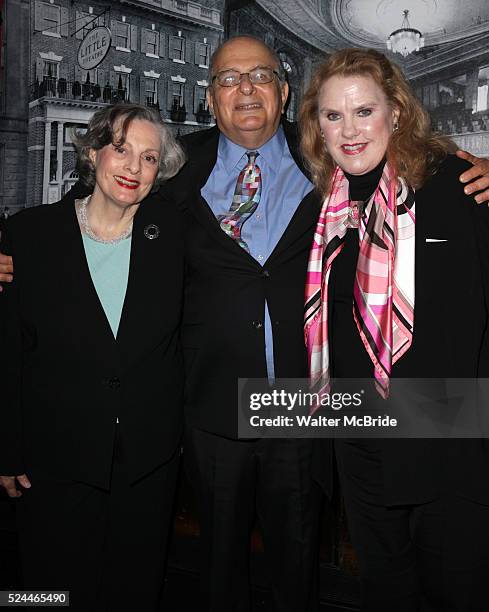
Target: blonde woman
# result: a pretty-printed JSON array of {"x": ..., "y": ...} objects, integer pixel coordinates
[{"x": 398, "y": 285}]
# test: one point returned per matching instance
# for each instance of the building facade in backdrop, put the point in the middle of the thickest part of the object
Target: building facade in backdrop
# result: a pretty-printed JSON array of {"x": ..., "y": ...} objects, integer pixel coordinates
[
  {"x": 298, "y": 55},
  {"x": 450, "y": 74},
  {"x": 14, "y": 65},
  {"x": 159, "y": 56}
]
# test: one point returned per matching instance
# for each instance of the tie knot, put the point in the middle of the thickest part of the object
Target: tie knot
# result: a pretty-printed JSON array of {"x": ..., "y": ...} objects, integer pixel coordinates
[{"x": 252, "y": 155}]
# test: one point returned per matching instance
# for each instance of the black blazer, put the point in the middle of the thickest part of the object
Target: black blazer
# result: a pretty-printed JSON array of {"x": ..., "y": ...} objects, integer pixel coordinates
[
  {"x": 65, "y": 377},
  {"x": 225, "y": 292},
  {"x": 450, "y": 339},
  {"x": 451, "y": 336}
]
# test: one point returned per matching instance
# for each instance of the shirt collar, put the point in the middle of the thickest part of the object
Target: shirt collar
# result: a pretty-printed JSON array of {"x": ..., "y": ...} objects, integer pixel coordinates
[{"x": 230, "y": 154}]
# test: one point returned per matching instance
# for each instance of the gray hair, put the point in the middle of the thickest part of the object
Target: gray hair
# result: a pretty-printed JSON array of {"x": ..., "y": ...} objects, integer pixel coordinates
[
  {"x": 100, "y": 133},
  {"x": 282, "y": 74}
]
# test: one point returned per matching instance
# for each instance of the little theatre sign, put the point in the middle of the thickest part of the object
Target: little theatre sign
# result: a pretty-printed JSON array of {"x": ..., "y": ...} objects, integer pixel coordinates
[{"x": 94, "y": 47}]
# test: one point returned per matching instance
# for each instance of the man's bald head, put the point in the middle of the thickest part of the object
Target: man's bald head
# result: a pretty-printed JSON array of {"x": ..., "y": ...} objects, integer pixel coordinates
[
  {"x": 247, "y": 113},
  {"x": 276, "y": 61}
]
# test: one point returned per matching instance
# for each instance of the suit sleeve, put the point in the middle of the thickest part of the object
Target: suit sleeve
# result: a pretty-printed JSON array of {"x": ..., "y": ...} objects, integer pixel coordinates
[
  {"x": 481, "y": 220},
  {"x": 11, "y": 463}
]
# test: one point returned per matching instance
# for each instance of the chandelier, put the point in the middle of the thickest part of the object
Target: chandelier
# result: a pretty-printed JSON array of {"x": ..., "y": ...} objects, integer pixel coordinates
[{"x": 406, "y": 39}]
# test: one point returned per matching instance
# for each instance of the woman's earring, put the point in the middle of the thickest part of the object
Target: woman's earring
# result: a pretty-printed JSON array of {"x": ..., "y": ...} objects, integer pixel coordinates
[
  {"x": 324, "y": 140},
  {"x": 396, "y": 127}
]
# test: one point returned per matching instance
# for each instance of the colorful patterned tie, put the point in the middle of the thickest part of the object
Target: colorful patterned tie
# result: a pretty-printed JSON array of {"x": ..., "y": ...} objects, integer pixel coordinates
[{"x": 245, "y": 200}]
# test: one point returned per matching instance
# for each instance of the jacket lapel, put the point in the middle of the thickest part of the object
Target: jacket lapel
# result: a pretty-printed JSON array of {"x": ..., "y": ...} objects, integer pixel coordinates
[
  {"x": 151, "y": 285},
  {"x": 76, "y": 282},
  {"x": 292, "y": 137},
  {"x": 202, "y": 153},
  {"x": 194, "y": 175},
  {"x": 206, "y": 217},
  {"x": 303, "y": 220},
  {"x": 143, "y": 313},
  {"x": 420, "y": 276},
  {"x": 307, "y": 212}
]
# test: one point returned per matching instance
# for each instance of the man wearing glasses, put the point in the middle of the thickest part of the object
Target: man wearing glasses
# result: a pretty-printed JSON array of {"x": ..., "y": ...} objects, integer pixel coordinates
[
  {"x": 249, "y": 212},
  {"x": 247, "y": 247}
]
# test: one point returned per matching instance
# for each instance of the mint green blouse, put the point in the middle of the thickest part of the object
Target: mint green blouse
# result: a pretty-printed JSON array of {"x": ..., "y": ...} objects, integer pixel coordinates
[{"x": 109, "y": 268}]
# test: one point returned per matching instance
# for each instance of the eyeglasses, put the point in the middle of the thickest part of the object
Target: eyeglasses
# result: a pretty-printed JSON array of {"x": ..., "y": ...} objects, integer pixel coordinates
[{"x": 261, "y": 75}]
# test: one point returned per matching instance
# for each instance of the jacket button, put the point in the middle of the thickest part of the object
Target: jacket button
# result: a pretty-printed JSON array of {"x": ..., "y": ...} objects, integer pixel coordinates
[
  {"x": 257, "y": 324},
  {"x": 265, "y": 274},
  {"x": 113, "y": 383}
]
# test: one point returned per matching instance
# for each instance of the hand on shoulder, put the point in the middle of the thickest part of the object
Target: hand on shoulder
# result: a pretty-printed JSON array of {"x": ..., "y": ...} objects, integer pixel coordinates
[{"x": 477, "y": 177}]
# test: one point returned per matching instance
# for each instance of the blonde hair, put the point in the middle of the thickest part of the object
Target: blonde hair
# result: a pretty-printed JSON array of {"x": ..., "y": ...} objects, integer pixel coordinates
[{"x": 414, "y": 151}]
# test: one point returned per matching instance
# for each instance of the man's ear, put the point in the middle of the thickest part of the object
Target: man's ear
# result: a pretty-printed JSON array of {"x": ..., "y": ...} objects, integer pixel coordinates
[
  {"x": 284, "y": 92},
  {"x": 210, "y": 99}
]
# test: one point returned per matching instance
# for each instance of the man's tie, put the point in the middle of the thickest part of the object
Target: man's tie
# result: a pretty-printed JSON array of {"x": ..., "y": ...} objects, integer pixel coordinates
[{"x": 245, "y": 200}]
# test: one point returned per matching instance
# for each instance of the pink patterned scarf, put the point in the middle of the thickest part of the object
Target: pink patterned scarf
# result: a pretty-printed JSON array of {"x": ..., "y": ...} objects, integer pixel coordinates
[{"x": 383, "y": 291}]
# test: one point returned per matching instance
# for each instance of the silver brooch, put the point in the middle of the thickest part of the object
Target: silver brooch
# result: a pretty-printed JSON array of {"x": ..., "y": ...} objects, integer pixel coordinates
[{"x": 151, "y": 231}]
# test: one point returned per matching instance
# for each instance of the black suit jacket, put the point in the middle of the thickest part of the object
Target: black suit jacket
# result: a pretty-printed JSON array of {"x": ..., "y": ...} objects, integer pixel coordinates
[
  {"x": 65, "y": 377},
  {"x": 225, "y": 292},
  {"x": 450, "y": 339},
  {"x": 451, "y": 336}
]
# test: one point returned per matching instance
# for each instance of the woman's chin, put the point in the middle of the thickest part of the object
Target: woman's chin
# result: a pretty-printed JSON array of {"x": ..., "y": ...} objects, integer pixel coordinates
[{"x": 357, "y": 167}]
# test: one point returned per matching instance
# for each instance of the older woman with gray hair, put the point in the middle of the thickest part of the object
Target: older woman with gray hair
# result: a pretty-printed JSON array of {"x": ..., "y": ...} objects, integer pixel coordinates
[{"x": 91, "y": 398}]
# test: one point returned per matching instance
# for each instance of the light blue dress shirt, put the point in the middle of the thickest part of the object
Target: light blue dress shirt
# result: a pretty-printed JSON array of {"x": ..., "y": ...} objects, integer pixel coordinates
[{"x": 283, "y": 188}]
